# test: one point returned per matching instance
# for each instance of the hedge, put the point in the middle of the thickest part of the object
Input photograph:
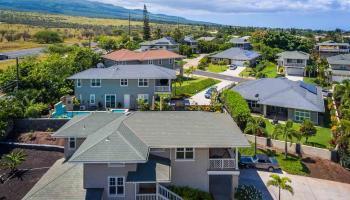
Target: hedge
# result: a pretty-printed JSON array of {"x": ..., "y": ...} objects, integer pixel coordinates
[
  {"x": 193, "y": 88},
  {"x": 237, "y": 106},
  {"x": 188, "y": 193}
]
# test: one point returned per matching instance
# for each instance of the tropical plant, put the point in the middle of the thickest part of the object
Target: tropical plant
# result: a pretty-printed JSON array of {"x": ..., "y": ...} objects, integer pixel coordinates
[
  {"x": 142, "y": 105},
  {"x": 12, "y": 160},
  {"x": 282, "y": 183},
  {"x": 255, "y": 128},
  {"x": 307, "y": 129},
  {"x": 288, "y": 133},
  {"x": 248, "y": 192},
  {"x": 191, "y": 193}
]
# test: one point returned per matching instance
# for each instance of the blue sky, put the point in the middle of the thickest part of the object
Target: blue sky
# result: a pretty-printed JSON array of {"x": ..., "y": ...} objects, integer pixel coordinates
[{"x": 315, "y": 14}]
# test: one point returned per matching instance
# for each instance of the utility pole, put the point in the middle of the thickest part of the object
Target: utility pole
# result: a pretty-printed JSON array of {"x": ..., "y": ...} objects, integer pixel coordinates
[
  {"x": 129, "y": 28},
  {"x": 17, "y": 74}
]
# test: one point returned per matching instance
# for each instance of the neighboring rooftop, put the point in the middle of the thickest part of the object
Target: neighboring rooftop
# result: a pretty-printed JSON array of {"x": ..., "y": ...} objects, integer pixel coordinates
[
  {"x": 206, "y": 38},
  {"x": 127, "y": 55},
  {"x": 239, "y": 41},
  {"x": 128, "y": 138},
  {"x": 63, "y": 181},
  {"x": 189, "y": 39},
  {"x": 283, "y": 93},
  {"x": 343, "y": 59},
  {"x": 127, "y": 72},
  {"x": 332, "y": 43},
  {"x": 162, "y": 41},
  {"x": 237, "y": 54},
  {"x": 294, "y": 55}
]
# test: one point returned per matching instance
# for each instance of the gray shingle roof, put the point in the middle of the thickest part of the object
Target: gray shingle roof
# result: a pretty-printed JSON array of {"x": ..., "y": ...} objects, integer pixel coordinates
[
  {"x": 127, "y": 72},
  {"x": 294, "y": 55},
  {"x": 343, "y": 59},
  {"x": 206, "y": 38},
  {"x": 333, "y": 43},
  {"x": 162, "y": 41},
  {"x": 283, "y": 93},
  {"x": 239, "y": 41},
  {"x": 63, "y": 181},
  {"x": 189, "y": 38},
  {"x": 237, "y": 54}
]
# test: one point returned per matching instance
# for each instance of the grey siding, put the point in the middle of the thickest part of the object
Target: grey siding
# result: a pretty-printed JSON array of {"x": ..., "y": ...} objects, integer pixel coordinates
[
  {"x": 69, "y": 152},
  {"x": 160, "y": 62},
  {"x": 96, "y": 176},
  {"x": 191, "y": 173},
  {"x": 113, "y": 87}
]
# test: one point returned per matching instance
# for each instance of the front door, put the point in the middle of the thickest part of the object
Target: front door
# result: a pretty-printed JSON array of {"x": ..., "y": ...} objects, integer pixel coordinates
[
  {"x": 126, "y": 101},
  {"x": 110, "y": 100}
]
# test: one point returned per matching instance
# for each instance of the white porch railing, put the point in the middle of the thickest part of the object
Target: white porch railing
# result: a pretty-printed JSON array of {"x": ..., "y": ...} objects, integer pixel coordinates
[
  {"x": 165, "y": 194},
  {"x": 162, "y": 88},
  {"x": 146, "y": 196},
  {"x": 222, "y": 163}
]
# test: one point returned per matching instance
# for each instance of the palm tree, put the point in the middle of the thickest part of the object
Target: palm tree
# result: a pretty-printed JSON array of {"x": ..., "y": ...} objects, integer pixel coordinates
[
  {"x": 12, "y": 160},
  {"x": 281, "y": 183},
  {"x": 254, "y": 127},
  {"x": 288, "y": 132}
]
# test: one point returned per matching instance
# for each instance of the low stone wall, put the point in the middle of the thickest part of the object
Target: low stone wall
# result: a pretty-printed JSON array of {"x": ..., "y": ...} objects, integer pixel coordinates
[
  {"x": 38, "y": 124},
  {"x": 293, "y": 148}
]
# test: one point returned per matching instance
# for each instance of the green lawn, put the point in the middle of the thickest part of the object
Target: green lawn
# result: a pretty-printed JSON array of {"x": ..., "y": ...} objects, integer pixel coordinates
[
  {"x": 270, "y": 70},
  {"x": 310, "y": 80},
  {"x": 191, "y": 86},
  {"x": 5, "y": 64},
  {"x": 291, "y": 165},
  {"x": 217, "y": 68},
  {"x": 321, "y": 139}
]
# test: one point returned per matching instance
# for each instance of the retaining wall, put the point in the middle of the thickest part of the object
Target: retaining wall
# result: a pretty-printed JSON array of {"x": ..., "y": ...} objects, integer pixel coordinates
[{"x": 38, "y": 124}]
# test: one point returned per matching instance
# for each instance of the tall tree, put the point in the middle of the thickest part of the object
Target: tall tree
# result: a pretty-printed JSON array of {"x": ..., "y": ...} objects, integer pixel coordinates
[
  {"x": 256, "y": 128},
  {"x": 146, "y": 27},
  {"x": 281, "y": 183},
  {"x": 288, "y": 133}
]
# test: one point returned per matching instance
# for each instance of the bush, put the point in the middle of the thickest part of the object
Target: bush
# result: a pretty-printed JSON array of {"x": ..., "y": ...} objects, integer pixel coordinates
[
  {"x": 248, "y": 192},
  {"x": 35, "y": 110},
  {"x": 48, "y": 37},
  {"x": 193, "y": 88},
  {"x": 188, "y": 193},
  {"x": 237, "y": 106}
]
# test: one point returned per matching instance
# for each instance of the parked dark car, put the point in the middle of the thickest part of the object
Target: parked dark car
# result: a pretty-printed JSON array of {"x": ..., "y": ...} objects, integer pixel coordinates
[
  {"x": 3, "y": 57},
  {"x": 209, "y": 92},
  {"x": 259, "y": 161},
  {"x": 233, "y": 67}
]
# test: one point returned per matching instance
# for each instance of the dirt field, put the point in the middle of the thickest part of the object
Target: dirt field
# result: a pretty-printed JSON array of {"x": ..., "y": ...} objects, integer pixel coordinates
[
  {"x": 325, "y": 169},
  {"x": 16, "y": 187},
  {"x": 36, "y": 137}
]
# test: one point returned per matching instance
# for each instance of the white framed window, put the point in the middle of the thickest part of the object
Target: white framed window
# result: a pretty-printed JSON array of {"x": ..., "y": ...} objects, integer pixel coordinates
[
  {"x": 72, "y": 142},
  {"x": 150, "y": 62},
  {"x": 123, "y": 82},
  {"x": 253, "y": 104},
  {"x": 95, "y": 82},
  {"x": 170, "y": 61},
  {"x": 144, "y": 97},
  {"x": 78, "y": 83},
  {"x": 143, "y": 82},
  {"x": 116, "y": 186},
  {"x": 184, "y": 153},
  {"x": 92, "y": 99},
  {"x": 301, "y": 115}
]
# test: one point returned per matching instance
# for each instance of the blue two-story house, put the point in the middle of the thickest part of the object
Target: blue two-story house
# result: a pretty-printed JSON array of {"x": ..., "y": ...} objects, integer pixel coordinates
[{"x": 121, "y": 86}]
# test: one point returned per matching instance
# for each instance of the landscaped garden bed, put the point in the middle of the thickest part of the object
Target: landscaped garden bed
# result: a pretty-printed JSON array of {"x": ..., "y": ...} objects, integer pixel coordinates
[
  {"x": 35, "y": 165},
  {"x": 268, "y": 70},
  {"x": 191, "y": 86}
]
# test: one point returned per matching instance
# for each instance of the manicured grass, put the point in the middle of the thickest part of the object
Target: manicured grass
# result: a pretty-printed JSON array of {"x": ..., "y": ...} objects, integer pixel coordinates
[
  {"x": 270, "y": 70},
  {"x": 5, "y": 64},
  {"x": 291, "y": 165},
  {"x": 192, "y": 86},
  {"x": 217, "y": 68},
  {"x": 310, "y": 80},
  {"x": 321, "y": 139}
]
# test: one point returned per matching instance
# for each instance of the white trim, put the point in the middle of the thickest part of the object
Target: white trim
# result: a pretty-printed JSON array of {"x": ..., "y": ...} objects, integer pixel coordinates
[
  {"x": 115, "y": 100},
  {"x": 75, "y": 143},
  {"x": 79, "y": 81},
  {"x": 95, "y": 80},
  {"x": 92, "y": 95},
  {"x": 185, "y": 159},
  {"x": 116, "y": 165},
  {"x": 116, "y": 186},
  {"x": 223, "y": 173},
  {"x": 138, "y": 82},
  {"x": 127, "y": 82}
]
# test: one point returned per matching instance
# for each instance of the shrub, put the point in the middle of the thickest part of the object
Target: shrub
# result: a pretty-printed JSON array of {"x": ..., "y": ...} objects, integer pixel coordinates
[
  {"x": 35, "y": 110},
  {"x": 48, "y": 37},
  {"x": 188, "y": 193},
  {"x": 237, "y": 106},
  {"x": 193, "y": 88},
  {"x": 248, "y": 192}
]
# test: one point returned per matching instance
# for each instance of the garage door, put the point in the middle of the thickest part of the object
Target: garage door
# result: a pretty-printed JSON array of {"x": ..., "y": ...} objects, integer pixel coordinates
[
  {"x": 237, "y": 62},
  {"x": 295, "y": 71}
]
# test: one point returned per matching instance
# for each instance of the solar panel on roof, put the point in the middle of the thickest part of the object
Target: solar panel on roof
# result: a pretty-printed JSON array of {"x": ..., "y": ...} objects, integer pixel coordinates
[{"x": 309, "y": 87}]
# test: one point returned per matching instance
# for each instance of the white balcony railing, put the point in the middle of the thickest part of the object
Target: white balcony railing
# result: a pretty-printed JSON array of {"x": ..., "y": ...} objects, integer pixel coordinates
[
  {"x": 162, "y": 88},
  {"x": 222, "y": 163},
  {"x": 295, "y": 64},
  {"x": 146, "y": 196}
]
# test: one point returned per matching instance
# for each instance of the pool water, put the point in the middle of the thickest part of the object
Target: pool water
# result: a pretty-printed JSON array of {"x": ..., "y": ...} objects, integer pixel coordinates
[{"x": 71, "y": 114}]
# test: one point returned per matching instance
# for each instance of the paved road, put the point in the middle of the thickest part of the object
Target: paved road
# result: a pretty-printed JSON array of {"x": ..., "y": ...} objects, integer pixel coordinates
[
  {"x": 23, "y": 52},
  {"x": 219, "y": 76},
  {"x": 305, "y": 188}
]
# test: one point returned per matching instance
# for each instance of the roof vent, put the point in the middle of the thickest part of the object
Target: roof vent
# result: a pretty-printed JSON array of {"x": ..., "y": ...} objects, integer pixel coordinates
[{"x": 108, "y": 139}]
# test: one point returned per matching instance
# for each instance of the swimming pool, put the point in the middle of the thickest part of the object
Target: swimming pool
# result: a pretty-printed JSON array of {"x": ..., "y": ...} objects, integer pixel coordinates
[{"x": 71, "y": 114}]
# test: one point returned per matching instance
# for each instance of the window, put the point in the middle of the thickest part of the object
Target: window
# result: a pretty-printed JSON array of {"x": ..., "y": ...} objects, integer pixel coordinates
[
  {"x": 143, "y": 97},
  {"x": 184, "y": 154},
  {"x": 92, "y": 99},
  {"x": 170, "y": 61},
  {"x": 253, "y": 104},
  {"x": 95, "y": 82},
  {"x": 110, "y": 100},
  {"x": 123, "y": 82},
  {"x": 143, "y": 82},
  {"x": 116, "y": 186},
  {"x": 72, "y": 143},
  {"x": 301, "y": 115},
  {"x": 150, "y": 62},
  {"x": 78, "y": 82}
]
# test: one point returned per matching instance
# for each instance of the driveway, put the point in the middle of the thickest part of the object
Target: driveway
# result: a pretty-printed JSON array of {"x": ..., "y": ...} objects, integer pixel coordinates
[
  {"x": 305, "y": 188},
  {"x": 201, "y": 100},
  {"x": 23, "y": 52},
  {"x": 234, "y": 73},
  {"x": 193, "y": 62},
  {"x": 295, "y": 78},
  {"x": 219, "y": 76}
]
